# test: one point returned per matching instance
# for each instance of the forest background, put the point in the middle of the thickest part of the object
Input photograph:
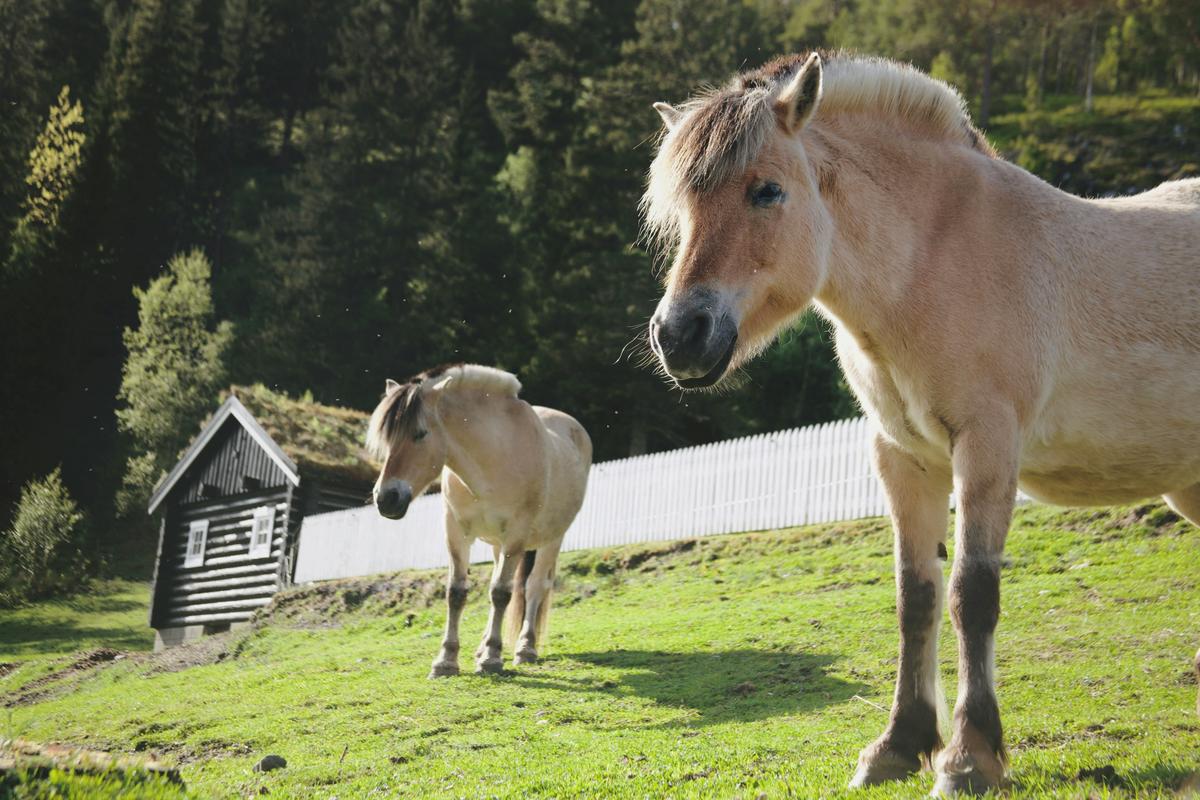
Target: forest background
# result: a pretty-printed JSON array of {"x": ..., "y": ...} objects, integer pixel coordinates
[{"x": 317, "y": 195}]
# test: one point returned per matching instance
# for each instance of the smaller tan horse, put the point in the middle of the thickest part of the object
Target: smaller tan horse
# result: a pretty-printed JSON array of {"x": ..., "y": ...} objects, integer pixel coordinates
[{"x": 512, "y": 475}]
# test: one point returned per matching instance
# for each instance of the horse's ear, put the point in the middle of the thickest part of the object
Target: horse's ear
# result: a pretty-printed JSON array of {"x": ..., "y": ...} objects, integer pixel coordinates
[
  {"x": 669, "y": 113},
  {"x": 800, "y": 98},
  {"x": 390, "y": 386},
  {"x": 441, "y": 384}
]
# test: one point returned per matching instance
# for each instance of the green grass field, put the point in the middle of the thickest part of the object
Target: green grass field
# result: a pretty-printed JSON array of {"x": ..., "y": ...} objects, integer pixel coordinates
[{"x": 732, "y": 666}]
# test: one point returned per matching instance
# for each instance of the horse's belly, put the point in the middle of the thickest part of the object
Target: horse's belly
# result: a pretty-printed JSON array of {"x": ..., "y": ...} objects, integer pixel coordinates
[
  {"x": 1089, "y": 486},
  {"x": 1116, "y": 439}
]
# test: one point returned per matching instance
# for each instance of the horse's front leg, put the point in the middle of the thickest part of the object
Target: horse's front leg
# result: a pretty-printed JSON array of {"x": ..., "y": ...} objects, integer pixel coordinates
[
  {"x": 490, "y": 655},
  {"x": 918, "y": 498},
  {"x": 985, "y": 459},
  {"x": 446, "y": 663}
]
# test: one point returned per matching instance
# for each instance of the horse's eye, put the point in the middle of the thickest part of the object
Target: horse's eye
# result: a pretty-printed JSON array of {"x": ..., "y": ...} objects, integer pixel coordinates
[
  {"x": 767, "y": 194},
  {"x": 419, "y": 435}
]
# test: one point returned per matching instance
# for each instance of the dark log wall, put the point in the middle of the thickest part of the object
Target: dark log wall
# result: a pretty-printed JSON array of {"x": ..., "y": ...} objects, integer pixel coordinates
[
  {"x": 229, "y": 459},
  {"x": 230, "y": 585},
  {"x": 331, "y": 496}
]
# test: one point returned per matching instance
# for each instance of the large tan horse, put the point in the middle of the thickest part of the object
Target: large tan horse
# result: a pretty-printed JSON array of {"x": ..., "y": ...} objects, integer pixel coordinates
[
  {"x": 998, "y": 331},
  {"x": 512, "y": 475}
]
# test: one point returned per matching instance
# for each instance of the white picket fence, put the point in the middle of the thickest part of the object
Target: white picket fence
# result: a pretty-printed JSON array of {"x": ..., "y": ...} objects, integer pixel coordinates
[{"x": 820, "y": 473}]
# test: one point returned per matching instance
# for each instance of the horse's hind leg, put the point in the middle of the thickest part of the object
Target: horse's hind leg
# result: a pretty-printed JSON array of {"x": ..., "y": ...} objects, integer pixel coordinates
[
  {"x": 538, "y": 586},
  {"x": 918, "y": 499},
  {"x": 456, "y": 597},
  {"x": 490, "y": 655},
  {"x": 1186, "y": 503}
]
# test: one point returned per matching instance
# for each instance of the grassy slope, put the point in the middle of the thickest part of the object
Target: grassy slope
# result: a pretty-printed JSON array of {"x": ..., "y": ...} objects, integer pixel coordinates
[
  {"x": 1128, "y": 144},
  {"x": 113, "y": 614},
  {"x": 745, "y": 664}
]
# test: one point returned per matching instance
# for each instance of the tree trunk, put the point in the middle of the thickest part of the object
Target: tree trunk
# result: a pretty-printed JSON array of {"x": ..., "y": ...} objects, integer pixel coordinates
[
  {"x": 1088, "y": 102},
  {"x": 985, "y": 94},
  {"x": 1058, "y": 62},
  {"x": 1041, "y": 70}
]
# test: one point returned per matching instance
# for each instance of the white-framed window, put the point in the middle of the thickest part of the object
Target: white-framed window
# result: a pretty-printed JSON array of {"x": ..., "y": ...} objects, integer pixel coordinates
[
  {"x": 197, "y": 540},
  {"x": 261, "y": 531}
]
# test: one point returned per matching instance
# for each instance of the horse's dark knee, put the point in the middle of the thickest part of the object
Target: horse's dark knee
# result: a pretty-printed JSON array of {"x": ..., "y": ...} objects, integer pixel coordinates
[
  {"x": 975, "y": 597},
  {"x": 456, "y": 597},
  {"x": 501, "y": 595},
  {"x": 916, "y": 601}
]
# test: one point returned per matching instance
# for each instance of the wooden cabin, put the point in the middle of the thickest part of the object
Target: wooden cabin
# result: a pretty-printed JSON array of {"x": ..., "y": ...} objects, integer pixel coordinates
[{"x": 231, "y": 508}]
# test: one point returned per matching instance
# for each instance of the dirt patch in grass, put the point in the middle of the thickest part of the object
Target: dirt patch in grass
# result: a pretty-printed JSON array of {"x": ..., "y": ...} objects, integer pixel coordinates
[
  {"x": 205, "y": 650},
  {"x": 183, "y": 753},
  {"x": 321, "y": 605},
  {"x": 25, "y": 761},
  {"x": 57, "y": 681},
  {"x": 1149, "y": 519}
]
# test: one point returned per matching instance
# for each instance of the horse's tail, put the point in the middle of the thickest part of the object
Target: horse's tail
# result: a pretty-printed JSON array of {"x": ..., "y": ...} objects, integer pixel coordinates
[{"x": 515, "y": 617}]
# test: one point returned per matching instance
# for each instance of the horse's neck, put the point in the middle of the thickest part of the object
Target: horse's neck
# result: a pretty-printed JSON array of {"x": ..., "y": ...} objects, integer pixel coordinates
[
  {"x": 894, "y": 202},
  {"x": 476, "y": 438}
]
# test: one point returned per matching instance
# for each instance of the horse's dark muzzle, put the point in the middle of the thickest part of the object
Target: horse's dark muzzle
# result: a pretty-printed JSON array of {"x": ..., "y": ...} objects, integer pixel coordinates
[
  {"x": 695, "y": 339},
  {"x": 393, "y": 498}
]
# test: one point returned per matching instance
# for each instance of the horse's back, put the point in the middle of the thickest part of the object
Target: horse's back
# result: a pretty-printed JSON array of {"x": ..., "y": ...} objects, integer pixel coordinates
[
  {"x": 1184, "y": 192},
  {"x": 568, "y": 429},
  {"x": 569, "y": 458}
]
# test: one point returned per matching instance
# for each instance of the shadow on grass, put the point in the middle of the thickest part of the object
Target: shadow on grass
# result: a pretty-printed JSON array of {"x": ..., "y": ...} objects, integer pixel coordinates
[
  {"x": 25, "y": 632},
  {"x": 1160, "y": 780},
  {"x": 728, "y": 685}
]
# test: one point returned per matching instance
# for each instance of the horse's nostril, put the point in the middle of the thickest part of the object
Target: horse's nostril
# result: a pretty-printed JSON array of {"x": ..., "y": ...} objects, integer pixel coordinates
[{"x": 698, "y": 329}]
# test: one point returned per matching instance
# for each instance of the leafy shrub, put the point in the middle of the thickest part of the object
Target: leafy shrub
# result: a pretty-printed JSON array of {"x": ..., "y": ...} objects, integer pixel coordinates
[{"x": 41, "y": 554}]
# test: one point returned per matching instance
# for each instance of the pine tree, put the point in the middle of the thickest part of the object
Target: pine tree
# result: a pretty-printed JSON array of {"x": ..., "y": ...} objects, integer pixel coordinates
[
  {"x": 173, "y": 373},
  {"x": 154, "y": 116},
  {"x": 21, "y": 54},
  {"x": 53, "y": 164}
]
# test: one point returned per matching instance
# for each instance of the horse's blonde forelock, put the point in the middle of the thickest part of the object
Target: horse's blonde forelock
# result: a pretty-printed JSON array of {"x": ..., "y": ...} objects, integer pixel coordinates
[{"x": 720, "y": 132}]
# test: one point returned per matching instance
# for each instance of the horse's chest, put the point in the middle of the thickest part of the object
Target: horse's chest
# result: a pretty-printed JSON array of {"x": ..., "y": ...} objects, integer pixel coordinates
[
  {"x": 479, "y": 523},
  {"x": 898, "y": 402}
]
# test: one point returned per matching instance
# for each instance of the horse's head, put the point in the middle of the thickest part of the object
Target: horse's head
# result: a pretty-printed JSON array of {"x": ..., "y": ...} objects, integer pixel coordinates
[
  {"x": 732, "y": 191},
  {"x": 406, "y": 434}
]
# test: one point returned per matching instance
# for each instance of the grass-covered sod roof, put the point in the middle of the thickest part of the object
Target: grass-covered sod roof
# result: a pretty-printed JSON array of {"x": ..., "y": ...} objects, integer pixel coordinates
[{"x": 324, "y": 441}]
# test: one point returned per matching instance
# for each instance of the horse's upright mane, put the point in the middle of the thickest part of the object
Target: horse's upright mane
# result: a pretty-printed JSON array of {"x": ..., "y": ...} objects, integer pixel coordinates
[
  {"x": 399, "y": 413},
  {"x": 721, "y": 131}
]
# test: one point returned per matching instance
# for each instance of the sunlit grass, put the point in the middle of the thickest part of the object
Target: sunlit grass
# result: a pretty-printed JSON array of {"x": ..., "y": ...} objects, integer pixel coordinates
[{"x": 743, "y": 664}]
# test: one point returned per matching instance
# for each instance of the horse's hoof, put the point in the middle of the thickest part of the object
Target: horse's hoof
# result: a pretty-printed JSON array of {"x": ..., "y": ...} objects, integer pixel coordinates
[
  {"x": 443, "y": 669},
  {"x": 882, "y": 766},
  {"x": 490, "y": 666},
  {"x": 957, "y": 784},
  {"x": 525, "y": 657}
]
